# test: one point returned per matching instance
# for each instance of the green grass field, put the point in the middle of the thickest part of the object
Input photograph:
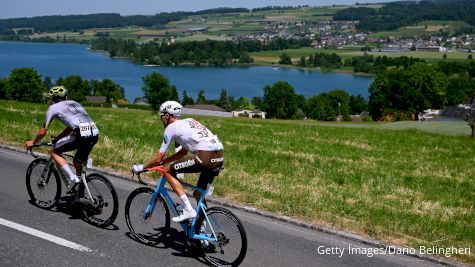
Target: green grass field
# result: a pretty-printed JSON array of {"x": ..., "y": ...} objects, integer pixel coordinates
[
  {"x": 348, "y": 53},
  {"x": 406, "y": 183},
  {"x": 423, "y": 28}
]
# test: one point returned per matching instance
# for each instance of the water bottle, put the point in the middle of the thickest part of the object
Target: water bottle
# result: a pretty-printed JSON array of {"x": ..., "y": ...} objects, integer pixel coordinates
[
  {"x": 209, "y": 190},
  {"x": 179, "y": 208},
  {"x": 89, "y": 163}
]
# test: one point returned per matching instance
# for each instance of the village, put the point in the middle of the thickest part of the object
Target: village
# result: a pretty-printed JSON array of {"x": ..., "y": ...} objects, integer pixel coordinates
[{"x": 344, "y": 34}]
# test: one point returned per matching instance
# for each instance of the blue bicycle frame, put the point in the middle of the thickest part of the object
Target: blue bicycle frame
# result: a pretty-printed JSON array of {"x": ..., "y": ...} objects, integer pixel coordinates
[{"x": 185, "y": 225}]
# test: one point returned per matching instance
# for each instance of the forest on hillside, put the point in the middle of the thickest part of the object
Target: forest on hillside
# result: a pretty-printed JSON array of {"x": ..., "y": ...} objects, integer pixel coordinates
[
  {"x": 398, "y": 14},
  {"x": 59, "y": 23}
]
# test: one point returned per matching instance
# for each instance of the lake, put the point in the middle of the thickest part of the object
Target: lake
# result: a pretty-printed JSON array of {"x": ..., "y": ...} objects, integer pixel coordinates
[{"x": 61, "y": 60}]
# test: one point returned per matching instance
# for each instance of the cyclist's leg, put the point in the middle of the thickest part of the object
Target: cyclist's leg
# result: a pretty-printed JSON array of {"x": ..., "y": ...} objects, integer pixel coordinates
[
  {"x": 188, "y": 164},
  {"x": 65, "y": 144},
  {"x": 210, "y": 161},
  {"x": 84, "y": 148},
  {"x": 205, "y": 179}
]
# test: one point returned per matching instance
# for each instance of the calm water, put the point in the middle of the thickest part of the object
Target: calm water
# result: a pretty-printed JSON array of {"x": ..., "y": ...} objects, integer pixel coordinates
[{"x": 56, "y": 60}]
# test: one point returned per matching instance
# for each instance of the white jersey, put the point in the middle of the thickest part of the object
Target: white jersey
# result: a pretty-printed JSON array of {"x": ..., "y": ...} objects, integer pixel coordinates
[
  {"x": 73, "y": 115},
  {"x": 191, "y": 135}
]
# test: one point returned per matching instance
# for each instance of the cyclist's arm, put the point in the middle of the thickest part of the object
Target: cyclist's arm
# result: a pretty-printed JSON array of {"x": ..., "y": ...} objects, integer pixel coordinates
[
  {"x": 39, "y": 135},
  {"x": 156, "y": 160},
  {"x": 180, "y": 154}
]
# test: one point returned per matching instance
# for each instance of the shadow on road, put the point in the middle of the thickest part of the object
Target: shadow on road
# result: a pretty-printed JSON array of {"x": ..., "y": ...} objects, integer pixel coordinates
[
  {"x": 175, "y": 240},
  {"x": 74, "y": 210}
]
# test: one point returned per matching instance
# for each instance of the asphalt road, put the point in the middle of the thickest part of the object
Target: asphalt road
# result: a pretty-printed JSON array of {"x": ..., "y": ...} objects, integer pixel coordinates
[{"x": 271, "y": 242}]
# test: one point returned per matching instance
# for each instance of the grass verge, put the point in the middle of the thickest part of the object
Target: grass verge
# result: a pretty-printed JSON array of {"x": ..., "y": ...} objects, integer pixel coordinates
[{"x": 407, "y": 187}]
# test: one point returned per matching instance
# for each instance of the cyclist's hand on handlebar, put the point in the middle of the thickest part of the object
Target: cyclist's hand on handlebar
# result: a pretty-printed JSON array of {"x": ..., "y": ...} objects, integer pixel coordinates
[
  {"x": 29, "y": 144},
  {"x": 136, "y": 169}
]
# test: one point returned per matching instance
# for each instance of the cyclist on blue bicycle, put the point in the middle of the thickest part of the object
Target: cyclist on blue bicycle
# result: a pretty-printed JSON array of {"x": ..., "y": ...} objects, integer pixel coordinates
[
  {"x": 80, "y": 133},
  {"x": 207, "y": 154}
]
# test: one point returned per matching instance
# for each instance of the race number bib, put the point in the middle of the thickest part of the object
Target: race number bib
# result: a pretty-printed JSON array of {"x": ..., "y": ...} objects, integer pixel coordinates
[{"x": 87, "y": 129}]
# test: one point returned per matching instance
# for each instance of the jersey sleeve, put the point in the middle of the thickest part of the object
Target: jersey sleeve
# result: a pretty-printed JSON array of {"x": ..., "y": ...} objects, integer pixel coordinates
[
  {"x": 49, "y": 117},
  {"x": 168, "y": 137}
]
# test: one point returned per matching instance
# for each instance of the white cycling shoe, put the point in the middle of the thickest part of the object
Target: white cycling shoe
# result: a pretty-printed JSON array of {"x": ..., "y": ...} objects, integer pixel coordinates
[{"x": 186, "y": 215}]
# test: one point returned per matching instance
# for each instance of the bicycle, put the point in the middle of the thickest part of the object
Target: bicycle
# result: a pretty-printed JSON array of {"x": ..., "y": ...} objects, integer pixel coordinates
[
  {"x": 95, "y": 193},
  {"x": 216, "y": 233}
]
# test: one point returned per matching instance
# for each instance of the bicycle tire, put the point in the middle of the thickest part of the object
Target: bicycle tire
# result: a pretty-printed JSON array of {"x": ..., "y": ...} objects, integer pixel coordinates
[
  {"x": 105, "y": 195},
  {"x": 222, "y": 220},
  {"x": 33, "y": 174},
  {"x": 153, "y": 229}
]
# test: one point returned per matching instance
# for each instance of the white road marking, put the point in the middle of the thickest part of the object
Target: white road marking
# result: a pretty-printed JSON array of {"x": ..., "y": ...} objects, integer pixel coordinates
[{"x": 46, "y": 236}]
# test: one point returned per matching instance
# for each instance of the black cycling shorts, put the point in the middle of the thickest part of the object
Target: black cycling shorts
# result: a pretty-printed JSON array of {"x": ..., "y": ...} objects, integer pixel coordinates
[
  {"x": 206, "y": 162},
  {"x": 74, "y": 141}
]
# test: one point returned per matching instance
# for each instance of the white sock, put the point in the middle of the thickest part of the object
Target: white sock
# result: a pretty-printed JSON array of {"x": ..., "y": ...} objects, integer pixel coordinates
[
  {"x": 186, "y": 202},
  {"x": 72, "y": 176}
]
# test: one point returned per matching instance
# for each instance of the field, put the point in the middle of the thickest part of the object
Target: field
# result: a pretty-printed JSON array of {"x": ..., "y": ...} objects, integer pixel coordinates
[
  {"x": 423, "y": 28},
  {"x": 350, "y": 52},
  {"x": 392, "y": 182},
  {"x": 216, "y": 25}
]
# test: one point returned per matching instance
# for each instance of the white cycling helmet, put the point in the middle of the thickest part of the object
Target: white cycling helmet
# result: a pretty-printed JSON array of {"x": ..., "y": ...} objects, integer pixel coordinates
[{"x": 171, "y": 107}]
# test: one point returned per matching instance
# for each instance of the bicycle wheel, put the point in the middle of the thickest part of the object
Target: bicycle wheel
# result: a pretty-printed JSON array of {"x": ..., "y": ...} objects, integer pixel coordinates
[
  {"x": 231, "y": 247},
  {"x": 44, "y": 191},
  {"x": 149, "y": 228},
  {"x": 103, "y": 211}
]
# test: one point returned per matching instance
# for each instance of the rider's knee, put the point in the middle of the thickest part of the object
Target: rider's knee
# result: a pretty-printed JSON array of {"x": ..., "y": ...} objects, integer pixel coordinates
[
  {"x": 196, "y": 194},
  {"x": 77, "y": 162}
]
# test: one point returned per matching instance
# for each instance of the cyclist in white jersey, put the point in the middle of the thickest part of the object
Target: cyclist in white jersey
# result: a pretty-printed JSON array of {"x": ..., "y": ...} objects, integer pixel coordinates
[
  {"x": 205, "y": 148},
  {"x": 80, "y": 133}
]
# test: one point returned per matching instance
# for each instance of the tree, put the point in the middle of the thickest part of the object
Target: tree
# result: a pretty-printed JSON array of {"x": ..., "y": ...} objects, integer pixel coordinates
[
  {"x": 320, "y": 108},
  {"x": 174, "y": 94},
  {"x": 24, "y": 84},
  {"x": 358, "y": 104},
  {"x": 201, "y": 99},
  {"x": 187, "y": 100},
  {"x": 47, "y": 82},
  {"x": 77, "y": 88},
  {"x": 469, "y": 116},
  {"x": 399, "y": 92},
  {"x": 107, "y": 88},
  {"x": 243, "y": 103},
  {"x": 156, "y": 89},
  {"x": 461, "y": 88},
  {"x": 302, "y": 62},
  {"x": 223, "y": 100},
  {"x": 285, "y": 59},
  {"x": 257, "y": 101},
  {"x": 280, "y": 100},
  {"x": 2, "y": 88},
  {"x": 340, "y": 102}
]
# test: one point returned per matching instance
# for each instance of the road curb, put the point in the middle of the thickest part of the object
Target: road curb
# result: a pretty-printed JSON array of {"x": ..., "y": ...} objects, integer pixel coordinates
[{"x": 287, "y": 219}]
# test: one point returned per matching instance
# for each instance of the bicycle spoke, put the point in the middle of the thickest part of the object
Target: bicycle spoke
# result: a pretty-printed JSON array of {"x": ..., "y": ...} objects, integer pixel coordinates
[
  {"x": 147, "y": 228},
  {"x": 103, "y": 208},
  {"x": 43, "y": 191},
  {"x": 231, "y": 245}
]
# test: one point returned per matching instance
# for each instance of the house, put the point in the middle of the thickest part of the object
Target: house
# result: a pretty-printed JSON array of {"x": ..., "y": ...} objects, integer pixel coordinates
[
  {"x": 96, "y": 99},
  {"x": 208, "y": 110},
  {"x": 141, "y": 101},
  {"x": 249, "y": 113}
]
